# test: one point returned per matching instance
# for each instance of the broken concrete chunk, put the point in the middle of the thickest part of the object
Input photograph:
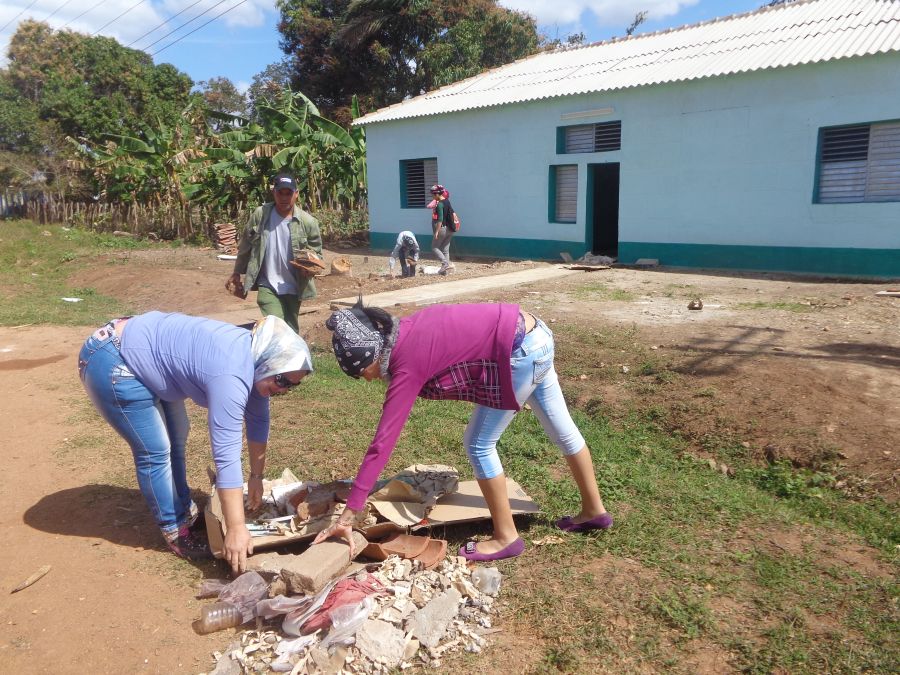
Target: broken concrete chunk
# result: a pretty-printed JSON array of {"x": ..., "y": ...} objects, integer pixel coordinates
[
  {"x": 309, "y": 572},
  {"x": 487, "y": 580},
  {"x": 381, "y": 642},
  {"x": 430, "y": 623},
  {"x": 225, "y": 665},
  {"x": 412, "y": 648},
  {"x": 268, "y": 564}
]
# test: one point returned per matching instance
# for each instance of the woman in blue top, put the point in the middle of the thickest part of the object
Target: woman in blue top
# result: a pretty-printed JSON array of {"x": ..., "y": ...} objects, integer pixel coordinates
[{"x": 138, "y": 371}]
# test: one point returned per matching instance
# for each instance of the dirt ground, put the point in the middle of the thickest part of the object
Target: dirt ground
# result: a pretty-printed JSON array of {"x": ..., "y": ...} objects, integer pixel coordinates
[{"x": 787, "y": 368}]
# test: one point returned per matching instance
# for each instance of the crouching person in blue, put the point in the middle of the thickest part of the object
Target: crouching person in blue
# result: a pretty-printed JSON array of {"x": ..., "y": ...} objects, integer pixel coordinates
[{"x": 139, "y": 370}]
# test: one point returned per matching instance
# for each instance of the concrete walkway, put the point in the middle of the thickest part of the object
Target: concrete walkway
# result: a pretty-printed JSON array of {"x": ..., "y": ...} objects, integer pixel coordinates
[{"x": 425, "y": 295}]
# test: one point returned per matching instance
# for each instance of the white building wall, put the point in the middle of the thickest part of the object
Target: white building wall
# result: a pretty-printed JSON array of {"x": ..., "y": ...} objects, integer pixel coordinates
[{"x": 728, "y": 161}]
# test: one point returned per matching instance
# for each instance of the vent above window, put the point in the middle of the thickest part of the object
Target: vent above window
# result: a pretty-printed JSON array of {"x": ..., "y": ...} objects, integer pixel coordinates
[{"x": 600, "y": 137}]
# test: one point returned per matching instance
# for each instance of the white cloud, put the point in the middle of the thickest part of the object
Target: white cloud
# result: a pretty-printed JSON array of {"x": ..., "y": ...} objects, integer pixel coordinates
[
  {"x": 130, "y": 20},
  {"x": 606, "y": 12}
]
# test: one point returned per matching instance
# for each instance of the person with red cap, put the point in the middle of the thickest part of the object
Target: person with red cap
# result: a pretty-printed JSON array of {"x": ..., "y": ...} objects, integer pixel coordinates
[{"x": 443, "y": 226}]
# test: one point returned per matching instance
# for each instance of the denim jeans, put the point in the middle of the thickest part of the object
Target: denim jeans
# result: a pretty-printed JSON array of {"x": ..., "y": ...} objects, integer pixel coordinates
[
  {"x": 155, "y": 429},
  {"x": 535, "y": 382}
]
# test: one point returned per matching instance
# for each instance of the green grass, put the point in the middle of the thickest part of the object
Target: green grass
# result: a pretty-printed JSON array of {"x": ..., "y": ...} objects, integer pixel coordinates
[
  {"x": 680, "y": 520},
  {"x": 36, "y": 263},
  {"x": 797, "y": 307},
  {"x": 600, "y": 291}
]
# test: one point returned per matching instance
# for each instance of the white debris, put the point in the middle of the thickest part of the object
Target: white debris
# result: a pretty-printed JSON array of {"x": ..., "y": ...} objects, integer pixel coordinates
[{"x": 426, "y": 615}]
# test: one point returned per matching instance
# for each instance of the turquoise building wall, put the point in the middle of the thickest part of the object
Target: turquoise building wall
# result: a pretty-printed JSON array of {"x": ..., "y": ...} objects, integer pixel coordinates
[{"x": 717, "y": 173}]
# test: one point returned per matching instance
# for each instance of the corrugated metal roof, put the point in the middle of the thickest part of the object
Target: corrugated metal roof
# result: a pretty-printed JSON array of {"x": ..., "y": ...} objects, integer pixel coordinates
[{"x": 808, "y": 31}]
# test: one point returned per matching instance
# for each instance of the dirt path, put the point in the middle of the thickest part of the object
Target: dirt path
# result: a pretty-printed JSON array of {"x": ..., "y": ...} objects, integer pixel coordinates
[
  {"x": 107, "y": 605},
  {"x": 796, "y": 378}
]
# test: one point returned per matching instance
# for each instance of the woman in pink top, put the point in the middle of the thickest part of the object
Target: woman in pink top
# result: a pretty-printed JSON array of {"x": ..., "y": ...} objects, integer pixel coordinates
[{"x": 493, "y": 355}]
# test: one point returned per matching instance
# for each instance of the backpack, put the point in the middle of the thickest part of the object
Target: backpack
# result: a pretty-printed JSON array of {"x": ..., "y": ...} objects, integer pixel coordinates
[{"x": 451, "y": 220}]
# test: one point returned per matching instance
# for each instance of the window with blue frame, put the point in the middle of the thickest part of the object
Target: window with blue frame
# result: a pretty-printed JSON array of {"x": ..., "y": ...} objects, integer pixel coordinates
[
  {"x": 859, "y": 163},
  {"x": 416, "y": 178}
]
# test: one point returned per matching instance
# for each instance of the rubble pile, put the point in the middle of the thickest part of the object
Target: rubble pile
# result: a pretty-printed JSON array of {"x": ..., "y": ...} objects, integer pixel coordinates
[{"x": 412, "y": 617}]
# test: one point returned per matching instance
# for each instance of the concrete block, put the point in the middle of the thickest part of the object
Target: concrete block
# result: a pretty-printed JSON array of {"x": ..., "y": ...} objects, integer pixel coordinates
[
  {"x": 646, "y": 262},
  {"x": 269, "y": 564},
  {"x": 309, "y": 572},
  {"x": 431, "y": 622},
  {"x": 381, "y": 642}
]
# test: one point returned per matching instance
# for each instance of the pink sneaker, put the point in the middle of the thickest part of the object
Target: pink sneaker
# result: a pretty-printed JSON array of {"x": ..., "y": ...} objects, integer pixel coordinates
[{"x": 189, "y": 546}]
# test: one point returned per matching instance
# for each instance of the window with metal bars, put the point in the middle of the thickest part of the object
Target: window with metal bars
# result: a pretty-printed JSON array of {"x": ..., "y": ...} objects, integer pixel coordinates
[
  {"x": 599, "y": 137},
  {"x": 859, "y": 163},
  {"x": 416, "y": 178}
]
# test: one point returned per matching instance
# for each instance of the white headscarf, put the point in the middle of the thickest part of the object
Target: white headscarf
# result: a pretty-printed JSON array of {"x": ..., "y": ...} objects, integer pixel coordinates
[{"x": 277, "y": 349}]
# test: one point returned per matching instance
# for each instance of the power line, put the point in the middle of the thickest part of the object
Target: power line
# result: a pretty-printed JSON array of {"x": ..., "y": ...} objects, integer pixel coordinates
[
  {"x": 199, "y": 27},
  {"x": 18, "y": 15},
  {"x": 175, "y": 30},
  {"x": 90, "y": 9},
  {"x": 163, "y": 23},
  {"x": 57, "y": 9},
  {"x": 141, "y": 2}
]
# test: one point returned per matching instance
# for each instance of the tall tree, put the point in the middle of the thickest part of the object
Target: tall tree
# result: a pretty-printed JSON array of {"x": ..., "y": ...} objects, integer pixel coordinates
[
  {"x": 90, "y": 86},
  {"x": 388, "y": 50},
  {"x": 220, "y": 95},
  {"x": 269, "y": 84}
]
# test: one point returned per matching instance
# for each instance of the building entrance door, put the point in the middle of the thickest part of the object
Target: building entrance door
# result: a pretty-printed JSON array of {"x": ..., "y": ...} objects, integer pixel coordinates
[{"x": 603, "y": 208}]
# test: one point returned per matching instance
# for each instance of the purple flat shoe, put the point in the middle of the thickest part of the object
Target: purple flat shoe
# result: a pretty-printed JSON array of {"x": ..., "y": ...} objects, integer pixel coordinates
[
  {"x": 602, "y": 522},
  {"x": 469, "y": 552}
]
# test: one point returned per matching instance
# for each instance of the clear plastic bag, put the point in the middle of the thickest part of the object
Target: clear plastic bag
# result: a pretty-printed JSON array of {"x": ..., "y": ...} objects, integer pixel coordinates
[
  {"x": 295, "y": 619},
  {"x": 244, "y": 592},
  {"x": 286, "y": 649},
  {"x": 346, "y": 622},
  {"x": 210, "y": 588},
  {"x": 281, "y": 604}
]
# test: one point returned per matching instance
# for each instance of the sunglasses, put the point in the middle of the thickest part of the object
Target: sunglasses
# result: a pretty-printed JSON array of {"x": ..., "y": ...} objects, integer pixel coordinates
[{"x": 282, "y": 381}]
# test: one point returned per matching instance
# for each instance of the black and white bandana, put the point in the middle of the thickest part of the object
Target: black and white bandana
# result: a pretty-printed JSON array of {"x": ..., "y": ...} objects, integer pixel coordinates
[{"x": 356, "y": 343}]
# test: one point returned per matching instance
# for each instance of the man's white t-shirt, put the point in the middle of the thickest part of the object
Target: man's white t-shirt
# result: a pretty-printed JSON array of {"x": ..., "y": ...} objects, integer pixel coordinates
[{"x": 277, "y": 274}]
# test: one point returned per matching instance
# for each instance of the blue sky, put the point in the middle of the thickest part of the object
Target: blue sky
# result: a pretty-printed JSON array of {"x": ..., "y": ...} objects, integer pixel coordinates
[{"x": 241, "y": 38}]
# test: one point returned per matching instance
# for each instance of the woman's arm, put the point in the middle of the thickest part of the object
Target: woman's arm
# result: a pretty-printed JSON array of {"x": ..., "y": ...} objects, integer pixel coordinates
[
  {"x": 257, "y": 452},
  {"x": 229, "y": 400},
  {"x": 398, "y": 402}
]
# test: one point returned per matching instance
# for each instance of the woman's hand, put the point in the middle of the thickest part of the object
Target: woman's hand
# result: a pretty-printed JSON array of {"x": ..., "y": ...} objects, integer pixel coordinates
[
  {"x": 254, "y": 492},
  {"x": 342, "y": 528},
  {"x": 238, "y": 545}
]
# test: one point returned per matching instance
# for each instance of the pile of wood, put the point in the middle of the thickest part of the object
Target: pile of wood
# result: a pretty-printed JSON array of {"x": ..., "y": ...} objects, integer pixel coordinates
[{"x": 226, "y": 237}]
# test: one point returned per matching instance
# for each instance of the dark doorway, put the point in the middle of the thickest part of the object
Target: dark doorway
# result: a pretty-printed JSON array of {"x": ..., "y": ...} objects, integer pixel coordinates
[{"x": 603, "y": 192}]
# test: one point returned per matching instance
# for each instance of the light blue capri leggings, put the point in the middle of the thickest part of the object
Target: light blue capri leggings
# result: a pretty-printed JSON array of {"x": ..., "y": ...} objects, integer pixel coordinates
[{"x": 535, "y": 382}]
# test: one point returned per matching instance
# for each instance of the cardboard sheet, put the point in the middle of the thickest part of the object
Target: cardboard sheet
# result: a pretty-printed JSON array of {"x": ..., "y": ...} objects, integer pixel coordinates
[{"x": 466, "y": 505}]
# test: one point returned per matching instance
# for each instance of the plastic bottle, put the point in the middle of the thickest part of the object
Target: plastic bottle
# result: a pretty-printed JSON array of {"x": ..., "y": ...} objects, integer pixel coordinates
[
  {"x": 218, "y": 616},
  {"x": 487, "y": 579}
]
